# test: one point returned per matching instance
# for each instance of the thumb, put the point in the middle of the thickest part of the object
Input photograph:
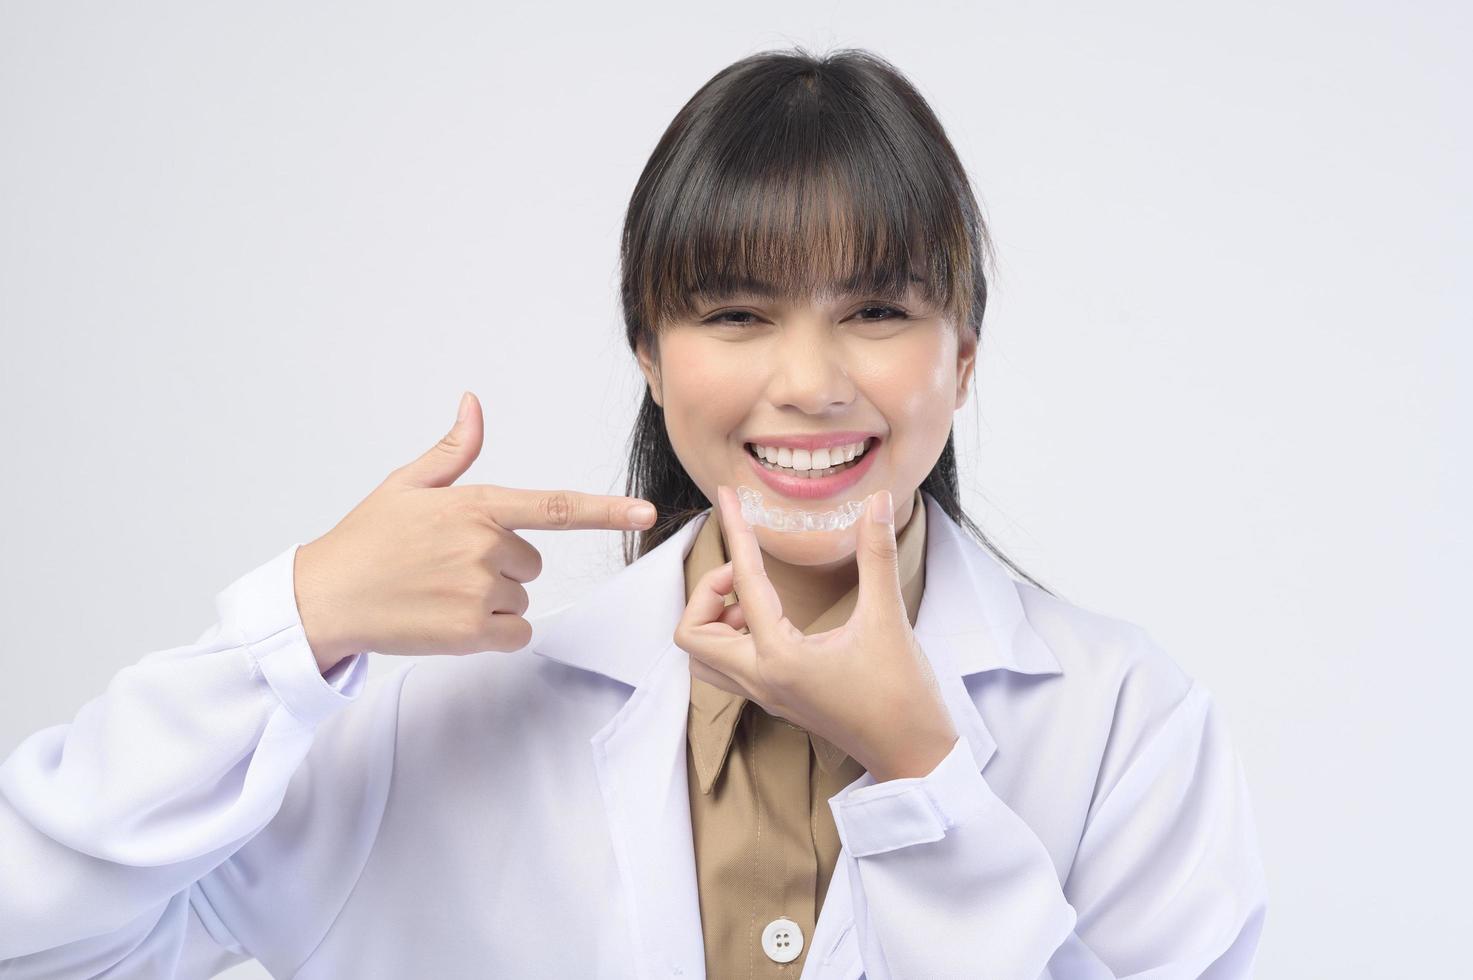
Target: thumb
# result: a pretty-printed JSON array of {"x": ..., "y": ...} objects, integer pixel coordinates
[
  {"x": 444, "y": 462},
  {"x": 878, "y": 557}
]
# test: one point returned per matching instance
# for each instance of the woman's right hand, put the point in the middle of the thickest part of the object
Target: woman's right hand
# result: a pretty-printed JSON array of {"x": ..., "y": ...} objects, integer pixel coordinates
[{"x": 423, "y": 567}]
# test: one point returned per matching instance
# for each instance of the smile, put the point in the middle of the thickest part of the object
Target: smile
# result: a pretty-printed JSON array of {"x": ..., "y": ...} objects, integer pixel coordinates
[{"x": 802, "y": 474}]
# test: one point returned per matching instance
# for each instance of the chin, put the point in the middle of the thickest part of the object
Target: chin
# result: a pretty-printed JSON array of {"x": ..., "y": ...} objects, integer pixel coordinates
[{"x": 809, "y": 547}]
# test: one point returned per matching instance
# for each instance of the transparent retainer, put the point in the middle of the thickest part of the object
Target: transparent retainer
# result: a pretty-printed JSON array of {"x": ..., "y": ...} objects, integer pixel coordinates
[{"x": 778, "y": 519}]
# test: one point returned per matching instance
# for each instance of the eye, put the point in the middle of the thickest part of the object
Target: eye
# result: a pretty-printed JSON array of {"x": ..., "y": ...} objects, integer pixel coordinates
[
  {"x": 896, "y": 314},
  {"x": 722, "y": 318}
]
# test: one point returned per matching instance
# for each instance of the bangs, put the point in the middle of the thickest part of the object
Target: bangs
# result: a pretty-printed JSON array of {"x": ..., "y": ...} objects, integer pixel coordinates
[{"x": 796, "y": 196}]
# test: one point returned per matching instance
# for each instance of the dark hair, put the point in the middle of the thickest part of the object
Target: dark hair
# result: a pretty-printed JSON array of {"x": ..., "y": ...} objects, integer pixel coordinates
[{"x": 795, "y": 172}]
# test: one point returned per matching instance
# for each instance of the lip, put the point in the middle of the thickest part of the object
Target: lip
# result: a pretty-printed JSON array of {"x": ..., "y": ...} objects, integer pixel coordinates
[{"x": 808, "y": 488}]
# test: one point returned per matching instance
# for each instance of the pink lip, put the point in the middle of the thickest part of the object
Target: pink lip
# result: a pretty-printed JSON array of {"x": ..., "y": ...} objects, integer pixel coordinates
[{"x": 808, "y": 488}]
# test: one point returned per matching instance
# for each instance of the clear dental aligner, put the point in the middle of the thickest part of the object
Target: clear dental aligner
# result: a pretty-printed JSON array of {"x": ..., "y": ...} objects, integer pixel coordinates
[{"x": 777, "y": 519}]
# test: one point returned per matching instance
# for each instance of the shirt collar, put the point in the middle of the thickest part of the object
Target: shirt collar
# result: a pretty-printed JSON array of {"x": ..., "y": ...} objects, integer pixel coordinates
[{"x": 714, "y": 712}]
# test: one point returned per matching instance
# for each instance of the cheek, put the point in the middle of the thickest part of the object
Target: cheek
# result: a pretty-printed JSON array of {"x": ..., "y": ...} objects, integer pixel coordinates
[
  {"x": 914, "y": 389},
  {"x": 706, "y": 394},
  {"x": 913, "y": 385}
]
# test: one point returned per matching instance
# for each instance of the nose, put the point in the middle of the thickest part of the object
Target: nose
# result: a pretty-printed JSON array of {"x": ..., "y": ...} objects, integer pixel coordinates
[{"x": 808, "y": 373}]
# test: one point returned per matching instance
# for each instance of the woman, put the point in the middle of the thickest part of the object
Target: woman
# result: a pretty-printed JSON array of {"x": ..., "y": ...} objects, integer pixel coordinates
[{"x": 865, "y": 751}]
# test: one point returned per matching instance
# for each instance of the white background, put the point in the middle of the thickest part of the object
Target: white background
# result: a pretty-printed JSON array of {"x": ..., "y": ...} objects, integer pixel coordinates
[{"x": 251, "y": 254}]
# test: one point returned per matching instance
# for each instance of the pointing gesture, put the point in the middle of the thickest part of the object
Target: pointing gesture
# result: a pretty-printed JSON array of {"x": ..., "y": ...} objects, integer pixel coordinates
[
  {"x": 423, "y": 567},
  {"x": 866, "y": 686}
]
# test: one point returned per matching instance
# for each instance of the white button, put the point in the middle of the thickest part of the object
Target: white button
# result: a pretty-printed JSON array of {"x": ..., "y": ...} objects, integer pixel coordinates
[{"x": 782, "y": 940}]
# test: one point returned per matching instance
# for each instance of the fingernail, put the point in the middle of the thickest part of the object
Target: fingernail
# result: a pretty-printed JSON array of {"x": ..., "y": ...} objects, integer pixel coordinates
[
  {"x": 884, "y": 507},
  {"x": 465, "y": 406},
  {"x": 642, "y": 514}
]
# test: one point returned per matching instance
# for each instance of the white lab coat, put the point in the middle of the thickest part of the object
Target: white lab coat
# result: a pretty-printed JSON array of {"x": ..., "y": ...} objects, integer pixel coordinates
[{"x": 525, "y": 814}]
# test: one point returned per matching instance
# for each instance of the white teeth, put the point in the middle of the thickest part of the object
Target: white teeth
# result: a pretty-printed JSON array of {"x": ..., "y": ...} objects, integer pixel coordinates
[{"x": 803, "y": 459}]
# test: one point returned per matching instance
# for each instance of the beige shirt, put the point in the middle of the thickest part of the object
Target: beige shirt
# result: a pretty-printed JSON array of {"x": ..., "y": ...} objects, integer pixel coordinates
[{"x": 765, "y": 843}]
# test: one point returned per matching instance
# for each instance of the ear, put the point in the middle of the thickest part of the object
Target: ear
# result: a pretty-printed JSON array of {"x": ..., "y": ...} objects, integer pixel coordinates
[
  {"x": 966, "y": 364},
  {"x": 650, "y": 370}
]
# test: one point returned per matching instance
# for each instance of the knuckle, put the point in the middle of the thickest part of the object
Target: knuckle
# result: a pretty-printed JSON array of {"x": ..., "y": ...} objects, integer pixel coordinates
[
  {"x": 461, "y": 504},
  {"x": 477, "y": 501},
  {"x": 475, "y": 510},
  {"x": 556, "y": 508},
  {"x": 745, "y": 583},
  {"x": 883, "y": 551},
  {"x": 477, "y": 585},
  {"x": 449, "y": 443},
  {"x": 446, "y": 514}
]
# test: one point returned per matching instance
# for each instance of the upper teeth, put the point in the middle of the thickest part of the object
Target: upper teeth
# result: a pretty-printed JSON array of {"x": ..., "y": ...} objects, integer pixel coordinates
[{"x": 803, "y": 459}]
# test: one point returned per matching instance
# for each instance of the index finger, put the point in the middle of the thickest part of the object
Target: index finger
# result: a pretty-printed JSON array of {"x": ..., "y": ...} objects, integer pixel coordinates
[{"x": 563, "y": 510}]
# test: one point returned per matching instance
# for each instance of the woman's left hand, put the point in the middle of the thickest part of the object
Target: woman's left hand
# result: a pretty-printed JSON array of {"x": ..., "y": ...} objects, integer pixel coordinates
[{"x": 866, "y": 686}]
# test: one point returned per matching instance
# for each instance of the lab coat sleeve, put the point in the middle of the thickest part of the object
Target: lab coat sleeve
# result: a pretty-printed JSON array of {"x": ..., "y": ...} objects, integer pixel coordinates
[
  {"x": 948, "y": 881},
  {"x": 118, "y": 830}
]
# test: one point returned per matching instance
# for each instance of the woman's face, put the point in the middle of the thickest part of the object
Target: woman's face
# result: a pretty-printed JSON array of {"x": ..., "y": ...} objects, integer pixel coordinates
[{"x": 747, "y": 369}]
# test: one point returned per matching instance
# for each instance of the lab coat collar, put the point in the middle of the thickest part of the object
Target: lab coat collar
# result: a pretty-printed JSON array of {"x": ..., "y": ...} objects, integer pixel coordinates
[{"x": 971, "y": 620}]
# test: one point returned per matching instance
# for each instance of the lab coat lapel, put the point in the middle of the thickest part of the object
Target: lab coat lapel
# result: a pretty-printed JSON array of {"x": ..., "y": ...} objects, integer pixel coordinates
[
  {"x": 640, "y": 759},
  {"x": 624, "y": 629}
]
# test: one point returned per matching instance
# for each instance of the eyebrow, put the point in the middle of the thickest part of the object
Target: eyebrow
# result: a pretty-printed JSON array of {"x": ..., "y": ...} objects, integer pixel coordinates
[{"x": 766, "y": 290}]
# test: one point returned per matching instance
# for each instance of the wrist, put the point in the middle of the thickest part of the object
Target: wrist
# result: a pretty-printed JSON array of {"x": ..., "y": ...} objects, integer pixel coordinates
[
  {"x": 326, "y": 659},
  {"x": 327, "y": 652},
  {"x": 916, "y": 760},
  {"x": 328, "y": 647},
  {"x": 913, "y": 750}
]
